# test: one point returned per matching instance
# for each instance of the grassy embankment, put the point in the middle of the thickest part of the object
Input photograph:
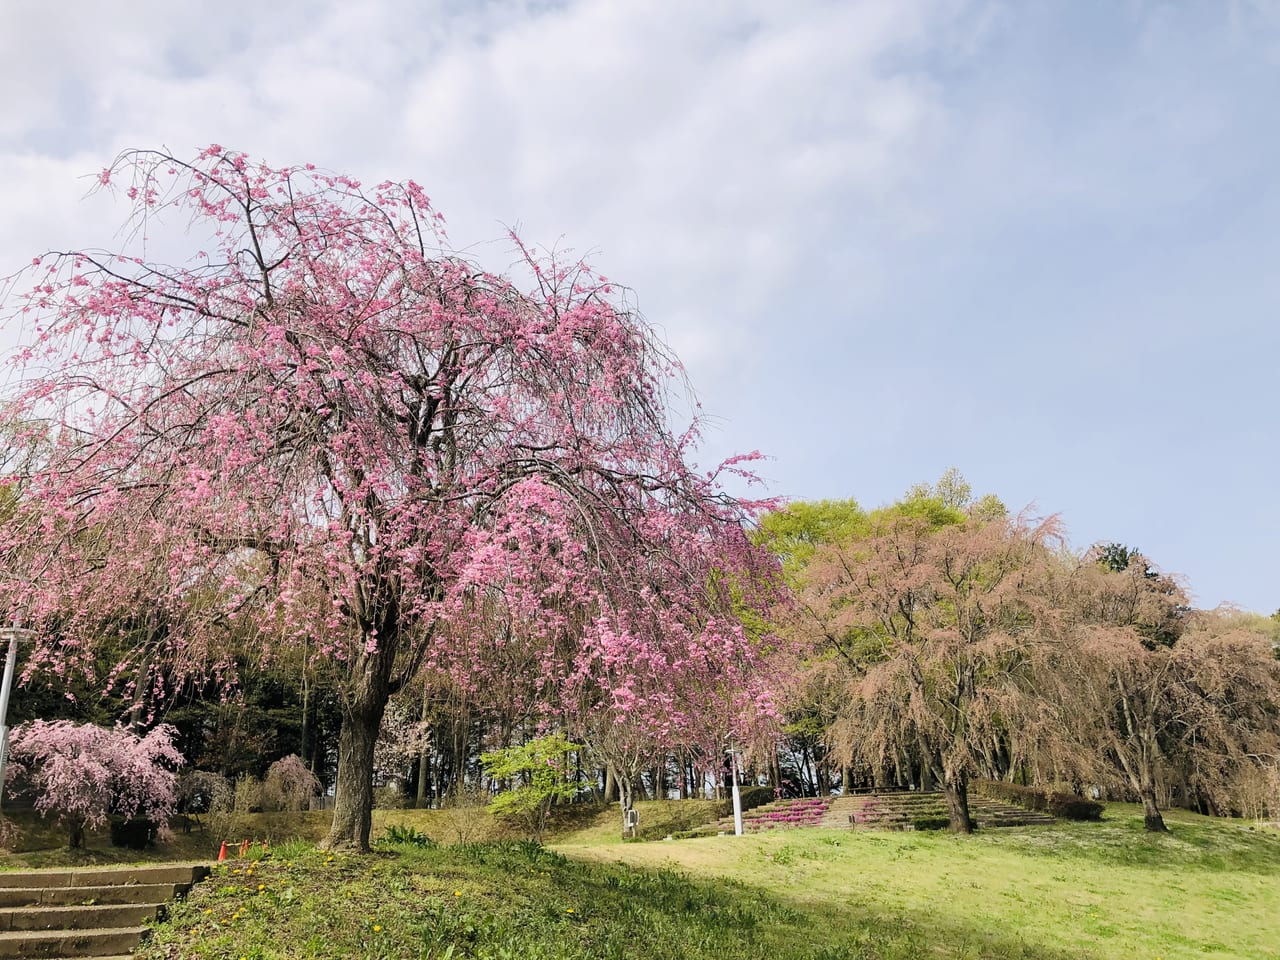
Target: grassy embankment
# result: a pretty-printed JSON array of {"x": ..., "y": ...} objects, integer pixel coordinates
[{"x": 1209, "y": 889}]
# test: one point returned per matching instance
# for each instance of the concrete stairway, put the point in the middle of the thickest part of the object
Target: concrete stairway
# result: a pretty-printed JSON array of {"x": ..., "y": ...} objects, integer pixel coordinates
[
  {"x": 904, "y": 810},
  {"x": 91, "y": 912},
  {"x": 841, "y": 812},
  {"x": 780, "y": 814}
]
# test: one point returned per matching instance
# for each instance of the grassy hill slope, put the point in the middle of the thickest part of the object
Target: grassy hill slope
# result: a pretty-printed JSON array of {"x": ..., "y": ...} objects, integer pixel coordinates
[{"x": 1210, "y": 889}]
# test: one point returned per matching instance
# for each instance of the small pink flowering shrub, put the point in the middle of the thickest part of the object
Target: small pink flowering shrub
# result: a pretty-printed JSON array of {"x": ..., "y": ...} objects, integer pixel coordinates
[
  {"x": 802, "y": 812},
  {"x": 289, "y": 785},
  {"x": 871, "y": 811},
  {"x": 87, "y": 774}
]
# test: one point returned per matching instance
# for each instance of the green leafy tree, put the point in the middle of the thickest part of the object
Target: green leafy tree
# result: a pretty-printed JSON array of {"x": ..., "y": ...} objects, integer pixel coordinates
[
  {"x": 537, "y": 772},
  {"x": 803, "y": 531},
  {"x": 799, "y": 528}
]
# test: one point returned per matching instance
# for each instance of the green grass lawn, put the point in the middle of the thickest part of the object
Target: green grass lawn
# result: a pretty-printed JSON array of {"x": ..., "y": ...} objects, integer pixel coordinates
[{"x": 1210, "y": 889}]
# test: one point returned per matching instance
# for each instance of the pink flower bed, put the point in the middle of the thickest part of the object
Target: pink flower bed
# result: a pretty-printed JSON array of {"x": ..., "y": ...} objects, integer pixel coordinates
[{"x": 802, "y": 812}]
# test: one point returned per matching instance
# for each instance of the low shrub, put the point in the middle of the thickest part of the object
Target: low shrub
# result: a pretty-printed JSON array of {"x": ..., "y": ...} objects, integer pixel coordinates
[
  {"x": 247, "y": 794},
  {"x": 1065, "y": 805},
  {"x": 406, "y": 836},
  {"x": 465, "y": 817},
  {"x": 134, "y": 834},
  {"x": 752, "y": 797},
  {"x": 389, "y": 797},
  {"x": 1070, "y": 807},
  {"x": 930, "y": 823},
  {"x": 10, "y": 834}
]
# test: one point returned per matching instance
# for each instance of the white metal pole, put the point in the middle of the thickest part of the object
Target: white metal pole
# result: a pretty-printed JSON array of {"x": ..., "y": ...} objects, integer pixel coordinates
[
  {"x": 737, "y": 797},
  {"x": 6, "y": 686}
]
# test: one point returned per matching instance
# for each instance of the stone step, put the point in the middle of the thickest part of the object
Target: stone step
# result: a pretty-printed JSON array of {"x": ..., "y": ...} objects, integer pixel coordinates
[
  {"x": 70, "y": 943},
  {"x": 87, "y": 912},
  {"x": 187, "y": 874},
  {"x": 111, "y": 915},
  {"x": 897, "y": 810},
  {"x": 70, "y": 896}
]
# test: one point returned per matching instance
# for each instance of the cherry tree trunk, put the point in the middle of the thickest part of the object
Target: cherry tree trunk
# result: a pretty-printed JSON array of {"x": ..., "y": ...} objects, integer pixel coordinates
[
  {"x": 956, "y": 792},
  {"x": 424, "y": 777},
  {"x": 353, "y": 802},
  {"x": 424, "y": 755},
  {"x": 362, "y": 709},
  {"x": 1151, "y": 818},
  {"x": 626, "y": 796}
]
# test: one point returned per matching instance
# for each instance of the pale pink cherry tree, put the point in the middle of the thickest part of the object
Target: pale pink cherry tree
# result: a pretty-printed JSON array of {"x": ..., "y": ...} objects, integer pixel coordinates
[
  {"x": 632, "y": 681},
  {"x": 85, "y": 774},
  {"x": 936, "y": 635},
  {"x": 1162, "y": 697},
  {"x": 700, "y": 689},
  {"x": 324, "y": 430}
]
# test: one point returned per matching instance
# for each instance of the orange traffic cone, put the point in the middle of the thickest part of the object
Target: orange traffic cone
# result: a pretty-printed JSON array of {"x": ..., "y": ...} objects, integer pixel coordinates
[
  {"x": 264, "y": 846},
  {"x": 222, "y": 854},
  {"x": 244, "y": 849}
]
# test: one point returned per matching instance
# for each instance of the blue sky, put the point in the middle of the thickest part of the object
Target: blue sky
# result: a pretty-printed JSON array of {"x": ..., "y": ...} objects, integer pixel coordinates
[{"x": 1035, "y": 241}]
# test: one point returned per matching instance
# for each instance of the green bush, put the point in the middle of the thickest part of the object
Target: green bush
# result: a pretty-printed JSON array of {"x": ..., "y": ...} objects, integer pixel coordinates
[
  {"x": 134, "y": 834},
  {"x": 536, "y": 771},
  {"x": 1070, "y": 807},
  {"x": 1065, "y": 805},
  {"x": 930, "y": 823},
  {"x": 753, "y": 797},
  {"x": 406, "y": 836}
]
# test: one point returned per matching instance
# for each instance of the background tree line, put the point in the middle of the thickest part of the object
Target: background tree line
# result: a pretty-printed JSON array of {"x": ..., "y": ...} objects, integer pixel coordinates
[
  {"x": 929, "y": 643},
  {"x": 328, "y": 479}
]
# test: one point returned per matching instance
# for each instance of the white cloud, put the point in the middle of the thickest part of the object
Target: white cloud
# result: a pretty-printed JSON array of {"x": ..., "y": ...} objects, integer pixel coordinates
[
  {"x": 705, "y": 150},
  {"x": 866, "y": 226}
]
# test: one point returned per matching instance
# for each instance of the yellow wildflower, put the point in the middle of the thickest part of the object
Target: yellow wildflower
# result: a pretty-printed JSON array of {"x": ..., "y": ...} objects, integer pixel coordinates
[{"x": 377, "y": 928}]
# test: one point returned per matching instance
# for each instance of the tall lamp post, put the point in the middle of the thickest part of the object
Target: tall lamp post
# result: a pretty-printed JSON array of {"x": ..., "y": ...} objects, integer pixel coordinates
[
  {"x": 737, "y": 796},
  {"x": 14, "y": 634}
]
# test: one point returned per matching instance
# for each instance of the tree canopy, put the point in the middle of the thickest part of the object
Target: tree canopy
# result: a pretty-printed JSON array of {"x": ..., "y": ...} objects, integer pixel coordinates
[{"x": 325, "y": 430}]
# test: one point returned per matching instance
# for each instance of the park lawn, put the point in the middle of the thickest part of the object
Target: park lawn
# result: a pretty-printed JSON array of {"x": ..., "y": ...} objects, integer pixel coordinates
[
  {"x": 1073, "y": 891},
  {"x": 42, "y": 842},
  {"x": 503, "y": 900},
  {"x": 1209, "y": 889}
]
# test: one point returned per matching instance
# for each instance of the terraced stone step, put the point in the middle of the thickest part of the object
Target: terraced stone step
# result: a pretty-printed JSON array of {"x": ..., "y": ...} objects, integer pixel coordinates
[
  {"x": 90, "y": 912},
  {"x": 70, "y": 943},
  {"x": 70, "y": 896},
  {"x": 187, "y": 873},
  {"x": 796, "y": 812},
  {"x": 899, "y": 810},
  {"x": 77, "y": 917},
  {"x": 840, "y": 813}
]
